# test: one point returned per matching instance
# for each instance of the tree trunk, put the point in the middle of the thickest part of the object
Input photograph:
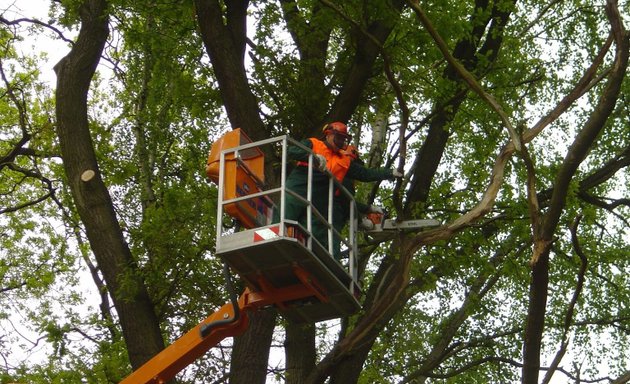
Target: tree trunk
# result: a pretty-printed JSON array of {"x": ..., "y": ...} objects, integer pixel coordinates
[
  {"x": 353, "y": 365},
  {"x": 251, "y": 350},
  {"x": 94, "y": 205},
  {"x": 538, "y": 292},
  {"x": 299, "y": 349}
]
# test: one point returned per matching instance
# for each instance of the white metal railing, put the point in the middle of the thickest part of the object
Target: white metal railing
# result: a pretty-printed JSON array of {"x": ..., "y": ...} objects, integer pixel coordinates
[{"x": 280, "y": 192}]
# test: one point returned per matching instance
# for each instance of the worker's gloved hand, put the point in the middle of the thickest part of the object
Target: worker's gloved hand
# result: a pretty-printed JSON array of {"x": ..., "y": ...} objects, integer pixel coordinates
[
  {"x": 375, "y": 209},
  {"x": 319, "y": 162},
  {"x": 366, "y": 224},
  {"x": 396, "y": 173}
]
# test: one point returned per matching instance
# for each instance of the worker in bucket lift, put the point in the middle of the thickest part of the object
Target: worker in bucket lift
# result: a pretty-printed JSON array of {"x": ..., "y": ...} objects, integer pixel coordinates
[
  {"x": 341, "y": 204},
  {"x": 327, "y": 156}
]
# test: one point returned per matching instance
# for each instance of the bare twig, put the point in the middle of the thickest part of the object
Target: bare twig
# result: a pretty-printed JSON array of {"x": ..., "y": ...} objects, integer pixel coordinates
[{"x": 58, "y": 32}]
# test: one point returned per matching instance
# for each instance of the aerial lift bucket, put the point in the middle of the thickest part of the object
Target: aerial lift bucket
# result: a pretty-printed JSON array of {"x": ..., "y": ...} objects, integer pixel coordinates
[{"x": 268, "y": 252}]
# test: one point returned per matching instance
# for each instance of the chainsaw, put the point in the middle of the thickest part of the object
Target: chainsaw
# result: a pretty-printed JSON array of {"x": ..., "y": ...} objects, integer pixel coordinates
[{"x": 379, "y": 225}]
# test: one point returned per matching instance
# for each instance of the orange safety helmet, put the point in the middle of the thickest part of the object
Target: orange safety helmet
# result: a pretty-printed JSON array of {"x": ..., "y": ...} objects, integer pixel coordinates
[{"x": 336, "y": 127}]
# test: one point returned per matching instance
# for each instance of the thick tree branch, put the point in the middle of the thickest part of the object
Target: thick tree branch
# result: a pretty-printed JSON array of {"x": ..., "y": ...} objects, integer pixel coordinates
[
  {"x": 623, "y": 379},
  {"x": 586, "y": 82},
  {"x": 532, "y": 198},
  {"x": 311, "y": 44},
  {"x": 311, "y": 92},
  {"x": 225, "y": 44},
  {"x": 586, "y": 138},
  {"x": 465, "y": 74},
  {"x": 467, "y": 52},
  {"x": 606, "y": 171},
  {"x": 367, "y": 51}
]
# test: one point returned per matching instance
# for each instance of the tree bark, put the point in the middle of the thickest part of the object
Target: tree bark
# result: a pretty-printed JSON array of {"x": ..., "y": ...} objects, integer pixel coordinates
[
  {"x": 367, "y": 52},
  {"x": 299, "y": 349},
  {"x": 225, "y": 44},
  {"x": 251, "y": 350},
  {"x": 74, "y": 73}
]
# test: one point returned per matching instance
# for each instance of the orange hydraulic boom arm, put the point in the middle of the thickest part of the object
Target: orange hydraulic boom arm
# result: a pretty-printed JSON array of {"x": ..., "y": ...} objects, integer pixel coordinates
[
  {"x": 223, "y": 323},
  {"x": 230, "y": 320}
]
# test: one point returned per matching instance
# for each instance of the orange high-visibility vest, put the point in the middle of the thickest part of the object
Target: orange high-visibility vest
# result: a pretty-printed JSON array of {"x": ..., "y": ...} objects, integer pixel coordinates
[{"x": 337, "y": 163}]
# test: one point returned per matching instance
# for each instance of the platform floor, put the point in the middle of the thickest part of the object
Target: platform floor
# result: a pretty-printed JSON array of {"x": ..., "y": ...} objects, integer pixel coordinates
[{"x": 261, "y": 252}]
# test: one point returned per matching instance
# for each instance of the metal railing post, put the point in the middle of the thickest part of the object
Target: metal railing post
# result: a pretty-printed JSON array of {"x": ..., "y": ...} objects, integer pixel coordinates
[
  {"x": 220, "y": 200},
  {"x": 283, "y": 185}
]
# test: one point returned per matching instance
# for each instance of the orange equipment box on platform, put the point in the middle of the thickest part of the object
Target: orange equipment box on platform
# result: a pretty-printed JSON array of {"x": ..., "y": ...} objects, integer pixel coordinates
[{"x": 244, "y": 174}]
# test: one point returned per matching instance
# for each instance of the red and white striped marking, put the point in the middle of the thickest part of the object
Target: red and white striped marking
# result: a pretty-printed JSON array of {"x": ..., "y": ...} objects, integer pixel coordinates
[{"x": 266, "y": 233}]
